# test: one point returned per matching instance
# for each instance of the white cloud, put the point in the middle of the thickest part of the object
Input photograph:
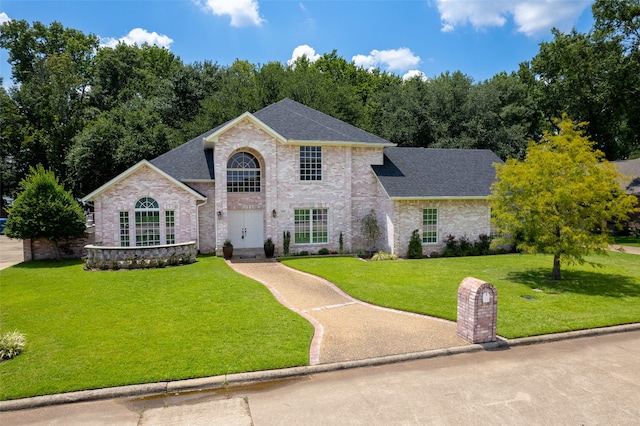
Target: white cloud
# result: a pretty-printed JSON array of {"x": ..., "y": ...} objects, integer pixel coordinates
[
  {"x": 301, "y": 50},
  {"x": 138, "y": 36},
  {"x": 532, "y": 17},
  {"x": 393, "y": 60},
  {"x": 4, "y": 18},
  {"x": 413, "y": 74},
  {"x": 243, "y": 12}
]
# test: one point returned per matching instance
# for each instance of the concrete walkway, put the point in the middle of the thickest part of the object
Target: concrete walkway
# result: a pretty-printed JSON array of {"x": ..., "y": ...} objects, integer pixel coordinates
[{"x": 348, "y": 329}]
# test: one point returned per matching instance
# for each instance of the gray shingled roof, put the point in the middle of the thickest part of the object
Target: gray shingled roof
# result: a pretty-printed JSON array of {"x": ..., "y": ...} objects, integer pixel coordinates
[
  {"x": 428, "y": 172},
  {"x": 631, "y": 168},
  {"x": 189, "y": 161},
  {"x": 294, "y": 121}
]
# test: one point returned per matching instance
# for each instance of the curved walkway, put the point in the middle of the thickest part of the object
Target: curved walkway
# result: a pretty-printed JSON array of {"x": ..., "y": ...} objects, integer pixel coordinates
[{"x": 348, "y": 329}]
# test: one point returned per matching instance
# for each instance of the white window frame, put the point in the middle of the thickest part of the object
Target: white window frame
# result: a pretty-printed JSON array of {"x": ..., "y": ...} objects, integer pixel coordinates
[
  {"x": 312, "y": 222},
  {"x": 311, "y": 163},
  {"x": 430, "y": 225},
  {"x": 147, "y": 231},
  {"x": 170, "y": 226},
  {"x": 242, "y": 178},
  {"x": 125, "y": 233}
]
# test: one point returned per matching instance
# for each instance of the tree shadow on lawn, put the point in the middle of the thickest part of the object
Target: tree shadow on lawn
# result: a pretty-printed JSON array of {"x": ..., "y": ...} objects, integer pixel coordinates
[
  {"x": 590, "y": 283},
  {"x": 41, "y": 264}
]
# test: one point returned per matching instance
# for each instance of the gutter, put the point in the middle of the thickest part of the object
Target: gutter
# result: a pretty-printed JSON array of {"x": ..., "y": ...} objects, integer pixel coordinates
[
  {"x": 475, "y": 197},
  {"x": 198, "y": 222}
]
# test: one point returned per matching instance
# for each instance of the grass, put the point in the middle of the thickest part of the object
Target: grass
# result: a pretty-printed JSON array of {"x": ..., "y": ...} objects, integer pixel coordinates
[
  {"x": 87, "y": 330},
  {"x": 627, "y": 241},
  {"x": 586, "y": 297}
]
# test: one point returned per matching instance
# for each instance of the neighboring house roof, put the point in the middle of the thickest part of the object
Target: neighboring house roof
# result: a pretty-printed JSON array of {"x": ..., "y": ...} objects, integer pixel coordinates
[
  {"x": 631, "y": 168},
  {"x": 418, "y": 173},
  {"x": 131, "y": 170}
]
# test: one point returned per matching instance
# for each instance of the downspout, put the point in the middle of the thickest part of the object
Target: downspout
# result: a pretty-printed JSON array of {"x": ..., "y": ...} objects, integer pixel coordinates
[{"x": 198, "y": 222}]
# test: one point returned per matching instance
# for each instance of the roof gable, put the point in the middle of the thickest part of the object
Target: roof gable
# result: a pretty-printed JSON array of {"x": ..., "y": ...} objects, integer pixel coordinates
[
  {"x": 211, "y": 138},
  {"x": 297, "y": 123},
  {"x": 415, "y": 173},
  {"x": 132, "y": 170}
]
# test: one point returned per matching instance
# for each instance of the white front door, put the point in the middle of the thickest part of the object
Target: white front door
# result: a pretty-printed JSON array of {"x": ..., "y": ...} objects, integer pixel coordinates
[{"x": 246, "y": 229}]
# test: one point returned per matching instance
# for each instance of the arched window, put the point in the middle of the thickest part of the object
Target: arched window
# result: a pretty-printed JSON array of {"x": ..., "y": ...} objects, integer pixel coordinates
[
  {"x": 147, "y": 222},
  {"x": 243, "y": 173}
]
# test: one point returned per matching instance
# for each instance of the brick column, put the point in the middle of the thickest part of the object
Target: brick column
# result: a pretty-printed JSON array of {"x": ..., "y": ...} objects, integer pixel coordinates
[{"x": 477, "y": 311}]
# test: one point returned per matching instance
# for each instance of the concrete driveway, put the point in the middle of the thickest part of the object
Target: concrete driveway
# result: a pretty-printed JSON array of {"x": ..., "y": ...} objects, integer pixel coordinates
[{"x": 10, "y": 252}]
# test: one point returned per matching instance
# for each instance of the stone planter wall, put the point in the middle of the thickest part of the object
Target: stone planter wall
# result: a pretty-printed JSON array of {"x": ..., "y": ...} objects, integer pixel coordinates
[{"x": 104, "y": 258}]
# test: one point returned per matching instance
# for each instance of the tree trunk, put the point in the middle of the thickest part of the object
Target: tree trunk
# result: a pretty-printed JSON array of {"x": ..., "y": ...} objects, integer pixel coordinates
[
  {"x": 56, "y": 249},
  {"x": 555, "y": 275}
]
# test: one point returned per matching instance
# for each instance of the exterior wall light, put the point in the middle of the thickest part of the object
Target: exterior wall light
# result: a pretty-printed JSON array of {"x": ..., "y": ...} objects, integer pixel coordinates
[
  {"x": 219, "y": 214},
  {"x": 274, "y": 213}
]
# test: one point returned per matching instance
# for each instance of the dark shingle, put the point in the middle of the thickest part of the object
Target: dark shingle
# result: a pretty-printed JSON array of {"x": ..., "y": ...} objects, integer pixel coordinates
[
  {"x": 189, "y": 161},
  {"x": 631, "y": 169},
  {"x": 294, "y": 121},
  {"x": 427, "y": 172}
]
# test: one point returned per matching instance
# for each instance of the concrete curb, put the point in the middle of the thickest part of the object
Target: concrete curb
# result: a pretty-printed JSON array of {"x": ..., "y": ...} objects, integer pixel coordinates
[{"x": 240, "y": 379}]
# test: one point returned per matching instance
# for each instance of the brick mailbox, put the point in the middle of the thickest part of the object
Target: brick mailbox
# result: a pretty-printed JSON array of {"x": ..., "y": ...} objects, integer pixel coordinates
[{"x": 477, "y": 311}]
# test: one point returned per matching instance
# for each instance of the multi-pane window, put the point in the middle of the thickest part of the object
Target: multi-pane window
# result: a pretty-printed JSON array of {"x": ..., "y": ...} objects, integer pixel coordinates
[
  {"x": 170, "y": 226},
  {"x": 124, "y": 229},
  {"x": 430, "y": 226},
  {"x": 311, "y": 226},
  {"x": 243, "y": 173},
  {"x": 147, "y": 222},
  {"x": 310, "y": 163}
]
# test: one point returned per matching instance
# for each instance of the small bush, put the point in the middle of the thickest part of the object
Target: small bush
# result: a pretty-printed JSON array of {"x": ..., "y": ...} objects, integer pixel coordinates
[
  {"x": 323, "y": 251},
  {"x": 415, "y": 246},
  {"x": 286, "y": 241},
  {"x": 11, "y": 344},
  {"x": 483, "y": 245},
  {"x": 383, "y": 256},
  {"x": 452, "y": 248},
  {"x": 463, "y": 247}
]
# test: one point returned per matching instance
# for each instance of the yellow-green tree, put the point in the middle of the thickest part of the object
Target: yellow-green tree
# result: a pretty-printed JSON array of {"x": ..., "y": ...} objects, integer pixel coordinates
[{"x": 559, "y": 198}]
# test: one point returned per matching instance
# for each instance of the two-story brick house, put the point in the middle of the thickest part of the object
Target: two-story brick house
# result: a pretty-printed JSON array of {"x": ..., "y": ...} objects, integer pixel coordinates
[{"x": 290, "y": 168}]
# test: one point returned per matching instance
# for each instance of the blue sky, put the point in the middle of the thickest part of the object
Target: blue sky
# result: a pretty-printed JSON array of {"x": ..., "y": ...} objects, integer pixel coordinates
[{"x": 478, "y": 37}]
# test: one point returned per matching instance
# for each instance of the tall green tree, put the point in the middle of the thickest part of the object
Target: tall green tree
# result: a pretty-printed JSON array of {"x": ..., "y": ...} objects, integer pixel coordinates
[
  {"x": 557, "y": 199},
  {"x": 44, "y": 209},
  {"x": 51, "y": 66},
  {"x": 595, "y": 77}
]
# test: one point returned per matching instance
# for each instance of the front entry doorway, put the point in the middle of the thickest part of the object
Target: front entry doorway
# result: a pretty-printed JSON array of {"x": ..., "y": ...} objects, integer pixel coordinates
[{"x": 246, "y": 228}]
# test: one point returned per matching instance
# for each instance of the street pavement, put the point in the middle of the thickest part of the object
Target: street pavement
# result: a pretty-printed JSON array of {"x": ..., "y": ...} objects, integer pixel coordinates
[{"x": 580, "y": 381}]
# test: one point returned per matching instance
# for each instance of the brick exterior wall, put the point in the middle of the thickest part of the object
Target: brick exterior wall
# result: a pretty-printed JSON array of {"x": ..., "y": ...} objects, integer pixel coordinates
[
  {"x": 206, "y": 217},
  {"x": 42, "y": 249},
  {"x": 459, "y": 218},
  {"x": 349, "y": 189},
  {"x": 123, "y": 196}
]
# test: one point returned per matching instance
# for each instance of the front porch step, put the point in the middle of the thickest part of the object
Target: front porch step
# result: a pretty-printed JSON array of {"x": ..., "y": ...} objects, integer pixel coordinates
[{"x": 248, "y": 253}]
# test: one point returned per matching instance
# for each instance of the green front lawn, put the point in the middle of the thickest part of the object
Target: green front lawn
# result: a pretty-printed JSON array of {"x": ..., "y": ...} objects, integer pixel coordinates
[
  {"x": 587, "y": 297},
  {"x": 87, "y": 330}
]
